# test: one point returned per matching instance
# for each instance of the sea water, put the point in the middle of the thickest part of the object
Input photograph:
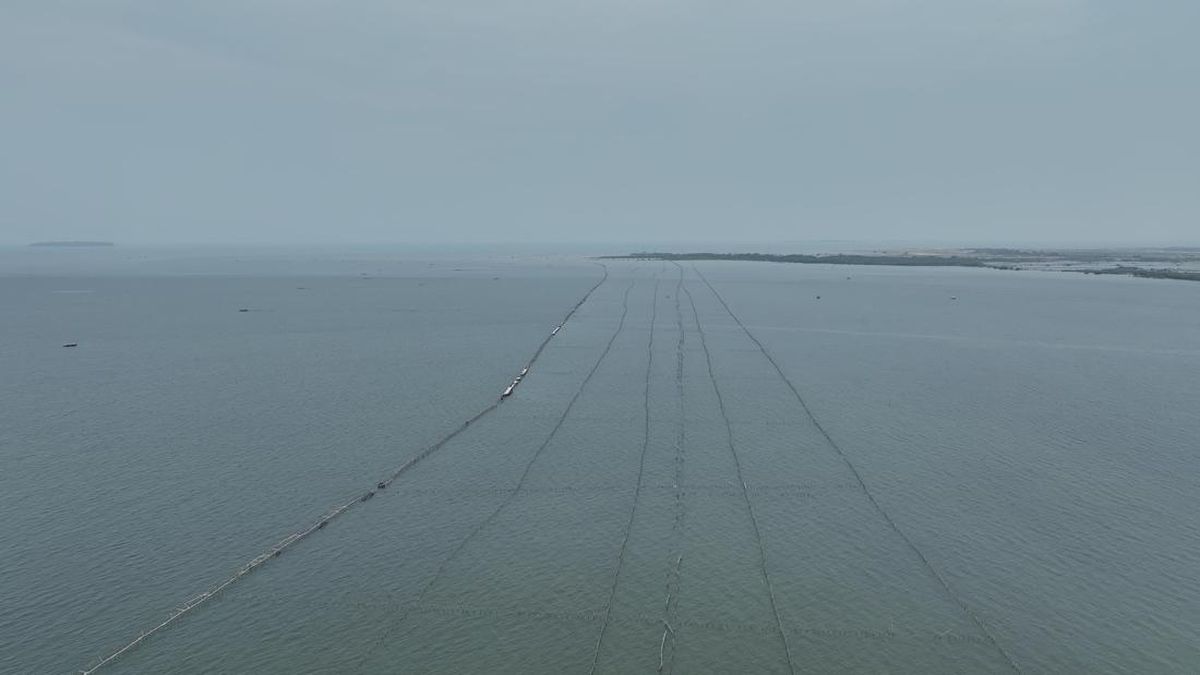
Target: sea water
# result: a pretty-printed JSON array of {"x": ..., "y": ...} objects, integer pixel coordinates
[{"x": 719, "y": 467}]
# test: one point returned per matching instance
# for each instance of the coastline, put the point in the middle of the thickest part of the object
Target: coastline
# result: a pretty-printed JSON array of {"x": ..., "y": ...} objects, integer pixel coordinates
[{"x": 1184, "y": 263}]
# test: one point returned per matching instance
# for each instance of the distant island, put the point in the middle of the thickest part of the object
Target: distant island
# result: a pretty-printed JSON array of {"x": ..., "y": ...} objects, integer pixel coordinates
[
  {"x": 1148, "y": 273},
  {"x": 913, "y": 260},
  {"x": 73, "y": 244},
  {"x": 1179, "y": 263}
]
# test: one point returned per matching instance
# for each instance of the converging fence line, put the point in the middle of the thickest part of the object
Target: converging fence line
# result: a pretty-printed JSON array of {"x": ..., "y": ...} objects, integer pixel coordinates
[{"x": 296, "y": 537}]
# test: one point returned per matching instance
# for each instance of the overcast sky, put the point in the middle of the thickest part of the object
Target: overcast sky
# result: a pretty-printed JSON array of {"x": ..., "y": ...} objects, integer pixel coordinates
[{"x": 559, "y": 120}]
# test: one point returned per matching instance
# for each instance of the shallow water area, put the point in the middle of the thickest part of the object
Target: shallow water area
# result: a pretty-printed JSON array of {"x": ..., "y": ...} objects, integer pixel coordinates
[{"x": 711, "y": 468}]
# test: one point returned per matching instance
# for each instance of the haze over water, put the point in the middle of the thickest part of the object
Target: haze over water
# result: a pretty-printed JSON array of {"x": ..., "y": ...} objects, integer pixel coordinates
[{"x": 1026, "y": 442}]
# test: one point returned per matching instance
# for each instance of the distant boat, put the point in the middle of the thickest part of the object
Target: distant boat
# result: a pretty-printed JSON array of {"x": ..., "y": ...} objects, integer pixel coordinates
[
  {"x": 556, "y": 329},
  {"x": 71, "y": 344}
]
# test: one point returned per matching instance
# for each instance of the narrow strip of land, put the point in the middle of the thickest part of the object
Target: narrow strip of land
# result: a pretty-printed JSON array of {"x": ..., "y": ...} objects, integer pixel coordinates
[{"x": 1180, "y": 264}]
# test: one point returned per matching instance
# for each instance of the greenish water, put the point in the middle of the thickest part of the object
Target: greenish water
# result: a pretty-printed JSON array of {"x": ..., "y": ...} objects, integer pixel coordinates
[{"x": 934, "y": 471}]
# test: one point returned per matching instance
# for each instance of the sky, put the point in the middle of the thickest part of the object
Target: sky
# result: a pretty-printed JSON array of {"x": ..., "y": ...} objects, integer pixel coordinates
[{"x": 466, "y": 121}]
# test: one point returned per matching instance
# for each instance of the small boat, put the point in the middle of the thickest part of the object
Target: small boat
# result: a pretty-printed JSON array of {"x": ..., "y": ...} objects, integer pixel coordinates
[
  {"x": 524, "y": 371},
  {"x": 71, "y": 344},
  {"x": 243, "y": 310},
  {"x": 367, "y": 496},
  {"x": 556, "y": 329},
  {"x": 382, "y": 485},
  {"x": 508, "y": 392}
]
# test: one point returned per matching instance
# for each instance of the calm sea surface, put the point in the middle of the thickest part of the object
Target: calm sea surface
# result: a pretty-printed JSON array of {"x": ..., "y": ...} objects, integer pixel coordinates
[{"x": 726, "y": 467}]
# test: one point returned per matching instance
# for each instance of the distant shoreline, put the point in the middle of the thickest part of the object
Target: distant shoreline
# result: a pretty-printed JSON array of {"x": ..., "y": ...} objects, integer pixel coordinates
[
  {"x": 72, "y": 244},
  {"x": 1108, "y": 262}
]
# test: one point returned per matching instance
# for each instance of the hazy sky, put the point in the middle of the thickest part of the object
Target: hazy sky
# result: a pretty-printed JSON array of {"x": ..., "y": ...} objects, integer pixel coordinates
[{"x": 457, "y": 120}]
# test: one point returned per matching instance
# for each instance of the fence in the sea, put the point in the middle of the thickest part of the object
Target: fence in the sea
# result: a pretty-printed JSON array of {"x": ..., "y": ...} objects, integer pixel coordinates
[{"x": 294, "y": 538}]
